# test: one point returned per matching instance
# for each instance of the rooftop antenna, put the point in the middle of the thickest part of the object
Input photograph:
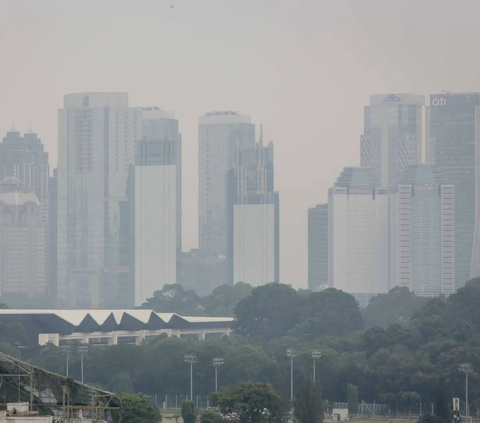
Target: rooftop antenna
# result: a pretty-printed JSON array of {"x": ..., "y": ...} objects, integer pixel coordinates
[
  {"x": 30, "y": 128},
  {"x": 13, "y": 126}
]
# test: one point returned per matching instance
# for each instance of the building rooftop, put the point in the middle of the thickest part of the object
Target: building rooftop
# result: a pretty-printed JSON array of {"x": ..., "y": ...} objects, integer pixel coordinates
[{"x": 357, "y": 177}]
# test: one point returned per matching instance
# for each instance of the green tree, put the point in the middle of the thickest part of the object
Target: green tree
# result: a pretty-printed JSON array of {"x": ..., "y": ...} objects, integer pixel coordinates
[
  {"x": 210, "y": 416},
  {"x": 223, "y": 300},
  {"x": 442, "y": 406},
  {"x": 251, "y": 402},
  {"x": 330, "y": 312},
  {"x": 352, "y": 399},
  {"x": 268, "y": 312},
  {"x": 397, "y": 306},
  {"x": 172, "y": 298},
  {"x": 409, "y": 399},
  {"x": 122, "y": 382},
  {"x": 308, "y": 405},
  {"x": 136, "y": 408},
  {"x": 188, "y": 411}
]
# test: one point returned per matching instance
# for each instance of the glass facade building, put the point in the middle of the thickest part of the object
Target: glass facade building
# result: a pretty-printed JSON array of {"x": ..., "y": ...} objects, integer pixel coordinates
[
  {"x": 423, "y": 238},
  {"x": 162, "y": 129},
  {"x": 220, "y": 133},
  {"x": 252, "y": 217},
  {"x": 358, "y": 234},
  {"x": 454, "y": 131},
  {"x": 318, "y": 247},
  {"x": 98, "y": 133},
  {"x": 396, "y": 130}
]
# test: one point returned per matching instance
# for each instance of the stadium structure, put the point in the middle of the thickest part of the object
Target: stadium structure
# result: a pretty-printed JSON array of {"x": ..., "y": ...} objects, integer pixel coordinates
[{"x": 111, "y": 327}]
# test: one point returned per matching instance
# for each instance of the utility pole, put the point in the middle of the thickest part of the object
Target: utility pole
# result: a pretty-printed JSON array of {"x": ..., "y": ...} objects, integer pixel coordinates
[
  {"x": 315, "y": 356},
  {"x": 191, "y": 359},
  {"x": 292, "y": 355},
  {"x": 82, "y": 349},
  {"x": 66, "y": 350},
  {"x": 216, "y": 363},
  {"x": 466, "y": 368}
]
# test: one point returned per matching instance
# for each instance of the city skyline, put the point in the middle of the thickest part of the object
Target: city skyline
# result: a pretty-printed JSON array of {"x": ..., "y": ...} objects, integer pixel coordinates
[{"x": 303, "y": 104}]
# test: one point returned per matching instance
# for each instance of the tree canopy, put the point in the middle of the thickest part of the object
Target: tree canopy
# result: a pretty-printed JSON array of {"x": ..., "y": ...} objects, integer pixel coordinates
[{"x": 251, "y": 402}]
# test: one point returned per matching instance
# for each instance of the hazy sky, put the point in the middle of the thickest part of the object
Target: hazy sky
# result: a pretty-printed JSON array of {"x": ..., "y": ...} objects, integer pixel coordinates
[{"x": 304, "y": 69}]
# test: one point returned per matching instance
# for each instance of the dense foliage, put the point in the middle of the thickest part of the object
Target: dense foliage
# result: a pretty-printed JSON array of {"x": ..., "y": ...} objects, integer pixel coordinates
[
  {"x": 399, "y": 364},
  {"x": 250, "y": 402},
  {"x": 136, "y": 408},
  {"x": 308, "y": 403}
]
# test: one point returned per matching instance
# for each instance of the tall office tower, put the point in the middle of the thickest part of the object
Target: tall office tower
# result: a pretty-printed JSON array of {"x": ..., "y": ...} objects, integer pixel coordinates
[
  {"x": 25, "y": 159},
  {"x": 252, "y": 217},
  {"x": 52, "y": 236},
  {"x": 318, "y": 247},
  {"x": 153, "y": 215},
  {"x": 358, "y": 234},
  {"x": 22, "y": 241},
  {"x": 454, "y": 123},
  {"x": 219, "y": 134},
  {"x": 98, "y": 133},
  {"x": 423, "y": 239},
  {"x": 396, "y": 134},
  {"x": 162, "y": 127}
]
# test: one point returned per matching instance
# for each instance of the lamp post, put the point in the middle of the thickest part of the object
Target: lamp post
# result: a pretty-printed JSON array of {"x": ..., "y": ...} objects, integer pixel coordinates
[
  {"x": 466, "y": 368},
  {"x": 20, "y": 348},
  {"x": 66, "y": 350},
  {"x": 82, "y": 349},
  {"x": 315, "y": 356},
  {"x": 191, "y": 359},
  {"x": 216, "y": 363},
  {"x": 292, "y": 355}
]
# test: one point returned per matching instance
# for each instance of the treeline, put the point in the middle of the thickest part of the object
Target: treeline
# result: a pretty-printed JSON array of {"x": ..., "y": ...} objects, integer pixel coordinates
[{"x": 395, "y": 351}]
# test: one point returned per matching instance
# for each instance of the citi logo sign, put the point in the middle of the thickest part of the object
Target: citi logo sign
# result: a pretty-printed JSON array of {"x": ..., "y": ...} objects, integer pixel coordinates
[{"x": 439, "y": 101}]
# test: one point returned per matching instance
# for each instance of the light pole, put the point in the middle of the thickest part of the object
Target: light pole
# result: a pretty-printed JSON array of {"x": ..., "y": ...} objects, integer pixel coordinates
[
  {"x": 315, "y": 356},
  {"x": 466, "y": 368},
  {"x": 292, "y": 355},
  {"x": 20, "y": 348},
  {"x": 191, "y": 359},
  {"x": 217, "y": 362},
  {"x": 66, "y": 350},
  {"x": 82, "y": 349}
]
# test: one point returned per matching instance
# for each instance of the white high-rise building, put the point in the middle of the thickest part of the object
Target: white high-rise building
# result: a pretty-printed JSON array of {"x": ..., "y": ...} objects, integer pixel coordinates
[
  {"x": 358, "y": 234},
  {"x": 97, "y": 133},
  {"x": 154, "y": 229},
  {"x": 219, "y": 135},
  {"x": 423, "y": 234}
]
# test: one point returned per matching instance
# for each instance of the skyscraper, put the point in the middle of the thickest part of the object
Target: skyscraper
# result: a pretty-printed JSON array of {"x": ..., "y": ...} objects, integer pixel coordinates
[
  {"x": 423, "y": 235},
  {"x": 454, "y": 130},
  {"x": 318, "y": 247},
  {"x": 25, "y": 159},
  {"x": 22, "y": 241},
  {"x": 396, "y": 131},
  {"x": 98, "y": 133},
  {"x": 153, "y": 213},
  {"x": 252, "y": 217},
  {"x": 219, "y": 134},
  {"x": 52, "y": 236},
  {"x": 161, "y": 127},
  {"x": 358, "y": 234}
]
